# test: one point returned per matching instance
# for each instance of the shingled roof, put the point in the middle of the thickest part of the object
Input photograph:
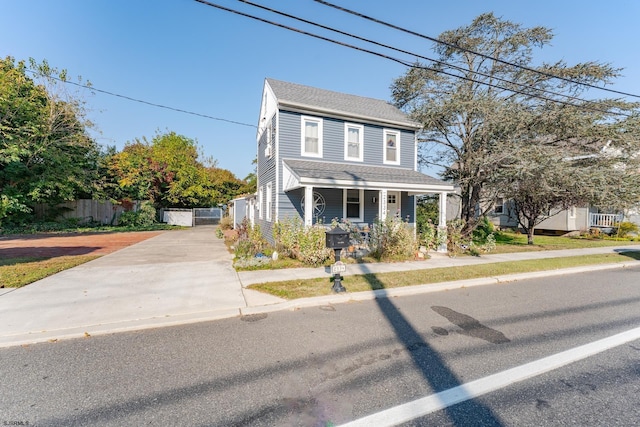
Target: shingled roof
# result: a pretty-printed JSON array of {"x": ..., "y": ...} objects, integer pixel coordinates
[
  {"x": 338, "y": 104},
  {"x": 361, "y": 176}
]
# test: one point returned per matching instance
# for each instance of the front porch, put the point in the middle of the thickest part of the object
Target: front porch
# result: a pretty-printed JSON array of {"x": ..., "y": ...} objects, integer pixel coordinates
[
  {"x": 598, "y": 220},
  {"x": 357, "y": 193}
]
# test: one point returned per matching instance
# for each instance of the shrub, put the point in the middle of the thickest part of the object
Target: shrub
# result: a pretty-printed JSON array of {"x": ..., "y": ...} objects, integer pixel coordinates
[
  {"x": 427, "y": 237},
  {"x": 456, "y": 243},
  {"x": 306, "y": 244},
  {"x": 250, "y": 240},
  {"x": 391, "y": 239},
  {"x": 226, "y": 223},
  {"x": 624, "y": 228},
  {"x": 144, "y": 216}
]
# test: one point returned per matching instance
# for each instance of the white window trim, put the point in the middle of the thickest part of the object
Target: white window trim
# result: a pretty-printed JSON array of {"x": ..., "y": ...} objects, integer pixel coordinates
[
  {"x": 268, "y": 201},
  {"x": 360, "y": 128},
  {"x": 499, "y": 208},
  {"x": 260, "y": 199},
  {"x": 360, "y": 218},
  {"x": 304, "y": 119},
  {"x": 386, "y": 132}
]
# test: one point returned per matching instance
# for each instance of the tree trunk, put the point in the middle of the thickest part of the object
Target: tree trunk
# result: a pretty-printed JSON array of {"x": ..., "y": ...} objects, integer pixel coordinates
[{"x": 530, "y": 232}]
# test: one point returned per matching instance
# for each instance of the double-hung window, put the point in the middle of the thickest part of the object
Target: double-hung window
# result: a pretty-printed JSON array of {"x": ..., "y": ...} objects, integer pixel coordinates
[
  {"x": 311, "y": 140},
  {"x": 268, "y": 201},
  {"x": 260, "y": 198},
  {"x": 353, "y": 204},
  {"x": 391, "y": 147},
  {"x": 353, "y": 142}
]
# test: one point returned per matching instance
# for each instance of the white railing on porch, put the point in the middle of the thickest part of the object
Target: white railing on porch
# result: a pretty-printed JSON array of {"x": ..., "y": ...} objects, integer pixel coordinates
[{"x": 604, "y": 220}]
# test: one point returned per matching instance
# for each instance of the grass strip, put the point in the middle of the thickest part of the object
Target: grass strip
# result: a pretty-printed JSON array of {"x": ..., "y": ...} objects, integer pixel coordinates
[
  {"x": 293, "y": 289},
  {"x": 18, "y": 272}
]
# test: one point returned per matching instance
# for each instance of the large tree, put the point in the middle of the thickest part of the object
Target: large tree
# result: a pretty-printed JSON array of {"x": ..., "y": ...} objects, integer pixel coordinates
[
  {"x": 46, "y": 155},
  {"x": 170, "y": 171},
  {"x": 478, "y": 109}
]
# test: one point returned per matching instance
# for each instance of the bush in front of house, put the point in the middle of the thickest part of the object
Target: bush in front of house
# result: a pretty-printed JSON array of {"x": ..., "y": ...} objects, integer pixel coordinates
[
  {"x": 250, "y": 240},
  {"x": 392, "y": 239},
  {"x": 306, "y": 244},
  {"x": 226, "y": 223}
]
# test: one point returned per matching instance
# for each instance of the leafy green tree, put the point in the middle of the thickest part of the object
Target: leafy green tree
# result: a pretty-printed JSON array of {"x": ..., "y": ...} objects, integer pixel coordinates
[
  {"x": 476, "y": 123},
  {"x": 46, "y": 155},
  {"x": 168, "y": 171}
]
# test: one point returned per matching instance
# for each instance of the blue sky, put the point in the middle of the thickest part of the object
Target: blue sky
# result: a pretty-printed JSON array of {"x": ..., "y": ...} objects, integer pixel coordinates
[{"x": 189, "y": 56}]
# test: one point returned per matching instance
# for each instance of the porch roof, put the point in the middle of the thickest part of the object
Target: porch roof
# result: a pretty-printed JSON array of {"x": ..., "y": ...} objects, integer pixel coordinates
[{"x": 301, "y": 173}]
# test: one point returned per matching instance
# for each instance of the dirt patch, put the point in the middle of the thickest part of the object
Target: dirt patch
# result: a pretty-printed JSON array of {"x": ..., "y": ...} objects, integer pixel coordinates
[{"x": 55, "y": 245}]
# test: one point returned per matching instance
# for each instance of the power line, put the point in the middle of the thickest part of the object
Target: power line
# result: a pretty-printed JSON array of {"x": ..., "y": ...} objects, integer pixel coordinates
[
  {"x": 179, "y": 110},
  {"x": 400, "y": 61},
  {"x": 454, "y": 46},
  {"x": 436, "y": 61}
]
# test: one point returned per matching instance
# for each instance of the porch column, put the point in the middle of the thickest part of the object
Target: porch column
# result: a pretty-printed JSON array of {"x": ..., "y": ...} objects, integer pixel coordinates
[
  {"x": 308, "y": 206},
  {"x": 442, "y": 218},
  {"x": 382, "y": 205},
  {"x": 442, "y": 222}
]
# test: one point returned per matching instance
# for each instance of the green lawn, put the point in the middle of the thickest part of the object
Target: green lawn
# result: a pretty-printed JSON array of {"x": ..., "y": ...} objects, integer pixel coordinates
[
  {"x": 293, "y": 289},
  {"x": 18, "y": 272},
  {"x": 512, "y": 242}
]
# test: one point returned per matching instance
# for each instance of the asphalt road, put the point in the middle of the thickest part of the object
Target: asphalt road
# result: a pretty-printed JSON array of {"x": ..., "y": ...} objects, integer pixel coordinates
[{"x": 335, "y": 364}]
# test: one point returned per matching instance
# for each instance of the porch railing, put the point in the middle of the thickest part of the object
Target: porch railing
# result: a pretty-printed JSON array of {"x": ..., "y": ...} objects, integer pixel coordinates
[{"x": 604, "y": 220}]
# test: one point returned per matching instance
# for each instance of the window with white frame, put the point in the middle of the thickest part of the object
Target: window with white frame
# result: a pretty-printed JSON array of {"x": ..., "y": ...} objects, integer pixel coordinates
[
  {"x": 391, "y": 147},
  {"x": 260, "y": 199},
  {"x": 269, "y": 137},
  {"x": 499, "y": 207},
  {"x": 353, "y": 142},
  {"x": 268, "y": 201},
  {"x": 353, "y": 204},
  {"x": 311, "y": 140}
]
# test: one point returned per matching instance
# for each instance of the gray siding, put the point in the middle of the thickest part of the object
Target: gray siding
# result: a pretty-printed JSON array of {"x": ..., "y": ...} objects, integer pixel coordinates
[{"x": 333, "y": 141}]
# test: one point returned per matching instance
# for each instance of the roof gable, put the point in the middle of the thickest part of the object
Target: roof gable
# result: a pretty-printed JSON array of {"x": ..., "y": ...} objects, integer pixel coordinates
[{"x": 310, "y": 99}]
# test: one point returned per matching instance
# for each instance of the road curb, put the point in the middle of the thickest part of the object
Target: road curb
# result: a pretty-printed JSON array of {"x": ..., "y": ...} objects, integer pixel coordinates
[
  {"x": 422, "y": 289},
  {"x": 191, "y": 318}
]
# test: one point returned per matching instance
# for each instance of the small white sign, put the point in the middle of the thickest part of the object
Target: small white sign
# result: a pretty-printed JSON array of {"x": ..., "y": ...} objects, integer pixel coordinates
[{"x": 338, "y": 267}]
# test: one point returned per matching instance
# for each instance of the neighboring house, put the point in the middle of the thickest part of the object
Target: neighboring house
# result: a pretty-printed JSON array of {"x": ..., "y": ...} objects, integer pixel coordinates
[
  {"x": 325, "y": 155},
  {"x": 577, "y": 218},
  {"x": 563, "y": 221}
]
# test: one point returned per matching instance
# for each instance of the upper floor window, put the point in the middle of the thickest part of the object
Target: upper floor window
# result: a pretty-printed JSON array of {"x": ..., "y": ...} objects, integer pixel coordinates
[
  {"x": 353, "y": 142},
  {"x": 311, "y": 137},
  {"x": 392, "y": 147},
  {"x": 499, "y": 207}
]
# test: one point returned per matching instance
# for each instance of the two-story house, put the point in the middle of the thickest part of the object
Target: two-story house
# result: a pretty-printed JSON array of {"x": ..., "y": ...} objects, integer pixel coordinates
[{"x": 325, "y": 155}]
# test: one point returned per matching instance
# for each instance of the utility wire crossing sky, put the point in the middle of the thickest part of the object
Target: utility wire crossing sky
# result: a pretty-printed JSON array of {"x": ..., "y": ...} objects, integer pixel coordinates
[{"x": 159, "y": 66}]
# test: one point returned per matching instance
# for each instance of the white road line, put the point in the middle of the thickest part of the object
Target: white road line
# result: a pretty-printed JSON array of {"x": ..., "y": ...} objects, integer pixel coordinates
[{"x": 426, "y": 405}]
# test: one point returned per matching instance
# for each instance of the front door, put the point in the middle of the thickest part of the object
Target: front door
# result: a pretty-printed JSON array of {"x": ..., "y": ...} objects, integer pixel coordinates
[{"x": 393, "y": 203}]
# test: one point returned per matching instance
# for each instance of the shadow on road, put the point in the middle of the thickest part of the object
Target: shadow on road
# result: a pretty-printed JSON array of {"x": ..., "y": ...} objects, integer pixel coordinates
[{"x": 430, "y": 365}]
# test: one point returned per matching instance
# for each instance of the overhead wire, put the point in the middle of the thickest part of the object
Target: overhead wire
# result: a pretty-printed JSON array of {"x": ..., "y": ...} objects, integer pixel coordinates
[
  {"x": 179, "y": 110},
  {"x": 454, "y": 46},
  {"x": 397, "y": 60},
  {"x": 435, "y": 61}
]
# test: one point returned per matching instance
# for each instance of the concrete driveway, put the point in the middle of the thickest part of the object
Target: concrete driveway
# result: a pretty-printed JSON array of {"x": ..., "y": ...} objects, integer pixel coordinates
[{"x": 173, "y": 278}]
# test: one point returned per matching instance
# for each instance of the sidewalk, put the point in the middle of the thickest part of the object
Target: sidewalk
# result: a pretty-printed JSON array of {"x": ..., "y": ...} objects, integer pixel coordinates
[
  {"x": 186, "y": 276},
  {"x": 438, "y": 260}
]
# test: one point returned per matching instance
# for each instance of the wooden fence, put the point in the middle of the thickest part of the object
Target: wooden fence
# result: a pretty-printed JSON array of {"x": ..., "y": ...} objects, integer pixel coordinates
[{"x": 86, "y": 210}]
